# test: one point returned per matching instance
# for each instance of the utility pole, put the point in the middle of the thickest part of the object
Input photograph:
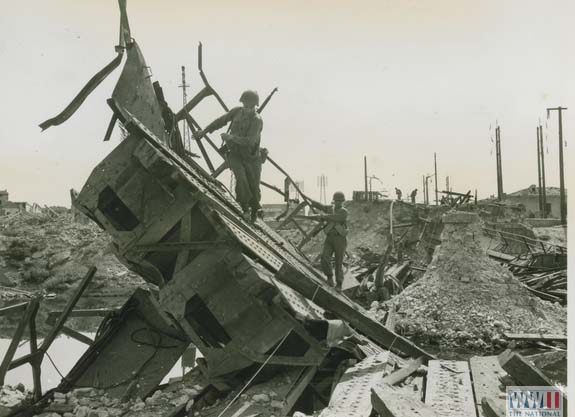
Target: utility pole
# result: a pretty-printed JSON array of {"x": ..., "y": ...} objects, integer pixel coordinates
[
  {"x": 365, "y": 177},
  {"x": 539, "y": 183},
  {"x": 322, "y": 183},
  {"x": 186, "y": 133},
  {"x": 447, "y": 183},
  {"x": 561, "y": 173},
  {"x": 499, "y": 167},
  {"x": 436, "y": 193},
  {"x": 423, "y": 191},
  {"x": 543, "y": 185}
]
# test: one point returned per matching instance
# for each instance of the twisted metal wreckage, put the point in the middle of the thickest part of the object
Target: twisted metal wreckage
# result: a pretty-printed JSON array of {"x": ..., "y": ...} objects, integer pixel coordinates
[{"x": 239, "y": 292}]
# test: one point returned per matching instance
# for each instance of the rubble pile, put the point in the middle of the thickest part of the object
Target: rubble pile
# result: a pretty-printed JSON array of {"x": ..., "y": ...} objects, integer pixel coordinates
[
  {"x": 52, "y": 252},
  {"x": 467, "y": 300},
  {"x": 555, "y": 235},
  {"x": 88, "y": 402}
]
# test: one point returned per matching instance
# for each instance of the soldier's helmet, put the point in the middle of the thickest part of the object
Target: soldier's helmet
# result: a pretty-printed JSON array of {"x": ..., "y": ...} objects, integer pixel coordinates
[
  {"x": 250, "y": 97},
  {"x": 338, "y": 196}
]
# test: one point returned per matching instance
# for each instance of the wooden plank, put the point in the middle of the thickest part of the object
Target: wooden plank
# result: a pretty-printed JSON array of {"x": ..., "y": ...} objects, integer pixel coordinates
[
  {"x": 523, "y": 372},
  {"x": 330, "y": 300},
  {"x": 485, "y": 374},
  {"x": 399, "y": 375},
  {"x": 36, "y": 363},
  {"x": 390, "y": 402},
  {"x": 76, "y": 335},
  {"x": 298, "y": 388},
  {"x": 390, "y": 319},
  {"x": 448, "y": 389},
  {"x": 493, "y": 407},
  {"x": 13, "y": 308},
  {"x": 290, "y": 216},
  {"x": 535, "y": 337},
  {"x": 5, "y": 366},
  {"x": 352, "y": 395}
]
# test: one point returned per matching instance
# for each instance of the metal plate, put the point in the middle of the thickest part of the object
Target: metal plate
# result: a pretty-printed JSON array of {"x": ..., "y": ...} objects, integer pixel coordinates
[
  {"x": 449, "y": 390},
  {"x": 352, "y": 395},
  {"x": 485, "y": 372}
]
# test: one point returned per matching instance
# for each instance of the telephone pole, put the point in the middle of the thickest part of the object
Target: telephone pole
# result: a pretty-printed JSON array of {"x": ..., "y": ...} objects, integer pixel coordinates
[
  {"x": 365, "y": 177},
  {"x": 543, "y": 185},
  {"x": 499, "y": 167},
  {"x": 561, "y": 173},
  {"x": 186, "y": 134},
  {"x": 436, "y": 192},
  {"x": 539, "y": 178}
]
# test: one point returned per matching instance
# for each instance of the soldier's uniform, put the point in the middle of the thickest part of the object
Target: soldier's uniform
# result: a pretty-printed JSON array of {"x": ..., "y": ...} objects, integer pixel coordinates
[
  {"x": 243, "y": 154},
  {"x": 335, "y": 244}
]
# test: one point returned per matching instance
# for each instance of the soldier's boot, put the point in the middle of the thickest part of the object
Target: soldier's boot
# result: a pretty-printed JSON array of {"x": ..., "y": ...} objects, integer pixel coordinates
[{"x": 330, "y": 281}]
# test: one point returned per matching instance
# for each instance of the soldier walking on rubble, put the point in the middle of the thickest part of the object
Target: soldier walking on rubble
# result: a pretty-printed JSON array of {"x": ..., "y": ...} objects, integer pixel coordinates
[
  {"x": 398, "y": 193},
  {"x": 242, "y": 147},
  {"x": 413, "y": 194},
  {"x": 335, "y": 240}
]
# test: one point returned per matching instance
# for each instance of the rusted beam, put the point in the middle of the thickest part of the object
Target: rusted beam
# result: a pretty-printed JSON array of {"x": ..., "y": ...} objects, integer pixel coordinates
[
  {"x": 178, "y": 246},
  {"x": 110, "y": 128},
  {"x": 205, "y": 155}
]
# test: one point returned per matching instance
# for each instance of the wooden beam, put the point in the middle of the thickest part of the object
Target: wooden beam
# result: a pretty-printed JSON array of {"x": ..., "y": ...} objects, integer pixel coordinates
[
  {"x": 76, "y": 335},
  {"x": 535, "y": 337},
  {"x": 13, "y": 308},
  {"x": 396, "y": 377},
  {"x": 35, "y": 363},
  {"x": 522, "y": 371},
  {"x": 5, "y": 366}
]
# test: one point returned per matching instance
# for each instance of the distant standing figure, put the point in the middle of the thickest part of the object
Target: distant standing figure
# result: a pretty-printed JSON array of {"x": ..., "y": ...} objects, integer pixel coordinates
[
  {"x": 243, "y": 150},
  {"x": 413, "y": 194},
  {"x": 398, "y": 192}
]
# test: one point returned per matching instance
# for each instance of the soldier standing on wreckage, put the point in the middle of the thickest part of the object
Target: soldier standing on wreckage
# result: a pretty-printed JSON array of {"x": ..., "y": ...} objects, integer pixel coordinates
[
  {"x": 242, "y": 147},
  {"x": 335, "y": 239}
]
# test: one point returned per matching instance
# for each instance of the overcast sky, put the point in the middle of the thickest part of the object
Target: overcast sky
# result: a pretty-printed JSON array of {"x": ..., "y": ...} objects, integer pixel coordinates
[{"x": 396, "y": 80}]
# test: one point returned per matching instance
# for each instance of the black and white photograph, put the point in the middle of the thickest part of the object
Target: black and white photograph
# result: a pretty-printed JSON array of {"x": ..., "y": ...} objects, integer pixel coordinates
[{"x": 294, "y": 208}]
